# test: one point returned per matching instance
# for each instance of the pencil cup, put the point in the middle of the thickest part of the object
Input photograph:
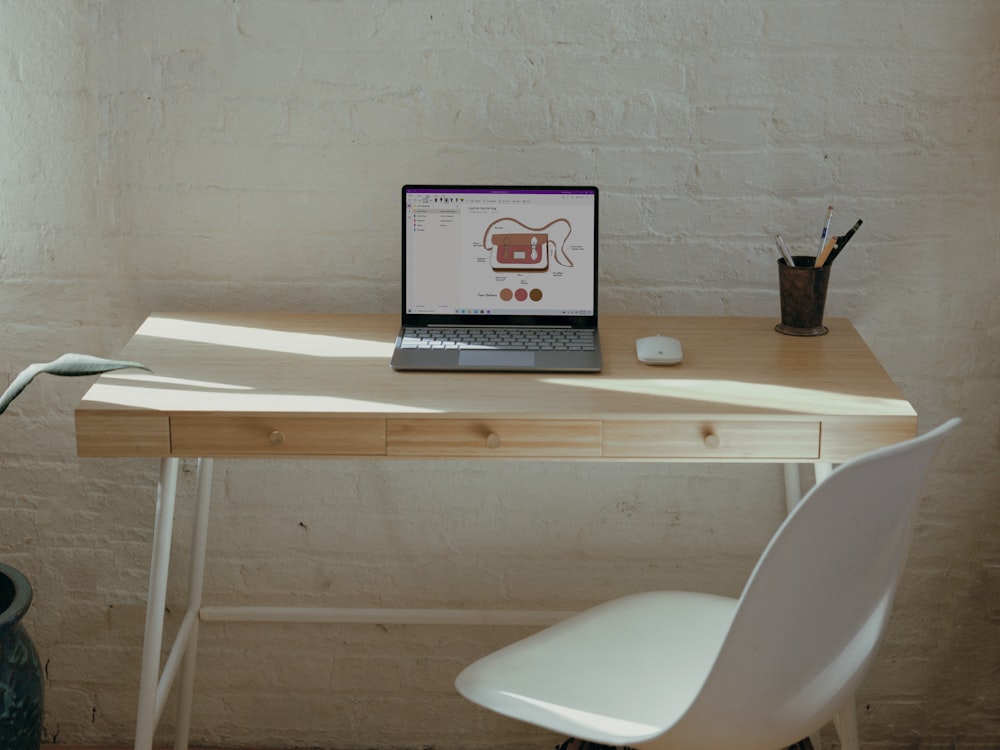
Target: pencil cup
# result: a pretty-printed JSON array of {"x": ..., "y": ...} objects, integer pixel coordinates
[{"x": 803, "y": 296}]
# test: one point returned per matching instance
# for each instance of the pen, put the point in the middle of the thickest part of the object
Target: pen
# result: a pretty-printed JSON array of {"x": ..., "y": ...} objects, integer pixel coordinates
[
  {"x": 826, "y": 229},
  {"x": 843, "y": 241},
  {"x": 784, "y": 251}
]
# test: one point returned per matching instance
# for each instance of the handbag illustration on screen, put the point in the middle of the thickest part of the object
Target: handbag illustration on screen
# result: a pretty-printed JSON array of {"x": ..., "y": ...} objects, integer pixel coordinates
[{"x": 525, "y": 251}]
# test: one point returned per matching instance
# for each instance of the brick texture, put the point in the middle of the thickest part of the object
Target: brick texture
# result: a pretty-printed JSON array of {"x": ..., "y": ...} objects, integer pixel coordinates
[{"x": 247, "y": 155}]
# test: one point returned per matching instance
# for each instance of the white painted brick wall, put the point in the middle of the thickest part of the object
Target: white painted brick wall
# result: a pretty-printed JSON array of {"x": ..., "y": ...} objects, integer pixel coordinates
[{"x": 248, "y": 154}]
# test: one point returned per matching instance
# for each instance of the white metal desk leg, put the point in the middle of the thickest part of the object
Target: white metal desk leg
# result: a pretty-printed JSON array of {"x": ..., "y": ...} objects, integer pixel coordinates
[
  {"x": 793, "y": 490},
  {"x": 793, "y": 494},
  {"x": 821, "y": 470},
  {"x": 196, "y": 579},
  {"x": 793, "y": 487},
  {"x": 156, "y": 600},
  {"x": 846, "y": 723}
]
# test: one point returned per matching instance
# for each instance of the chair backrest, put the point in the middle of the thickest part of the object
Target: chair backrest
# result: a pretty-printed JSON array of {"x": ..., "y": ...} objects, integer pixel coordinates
[{"x": 815, "y": 607}]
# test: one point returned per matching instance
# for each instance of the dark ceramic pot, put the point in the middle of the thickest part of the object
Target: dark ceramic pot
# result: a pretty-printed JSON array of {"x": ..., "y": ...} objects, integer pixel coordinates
[{"x": 21, "y": 686}]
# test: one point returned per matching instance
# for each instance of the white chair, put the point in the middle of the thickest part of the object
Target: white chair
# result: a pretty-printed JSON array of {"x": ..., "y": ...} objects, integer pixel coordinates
[{"x": 674, "y": 669}]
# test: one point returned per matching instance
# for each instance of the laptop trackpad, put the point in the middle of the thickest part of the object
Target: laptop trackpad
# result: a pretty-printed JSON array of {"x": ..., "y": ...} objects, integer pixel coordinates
[{"x": 488, "y": 358}]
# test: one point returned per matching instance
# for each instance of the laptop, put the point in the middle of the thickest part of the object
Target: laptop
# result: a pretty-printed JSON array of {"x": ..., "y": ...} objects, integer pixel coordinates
[{"x": 499, "y": 278}]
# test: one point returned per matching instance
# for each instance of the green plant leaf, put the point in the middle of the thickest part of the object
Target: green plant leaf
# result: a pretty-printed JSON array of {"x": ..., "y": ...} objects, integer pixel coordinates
[{"x": 68, "y": 365}]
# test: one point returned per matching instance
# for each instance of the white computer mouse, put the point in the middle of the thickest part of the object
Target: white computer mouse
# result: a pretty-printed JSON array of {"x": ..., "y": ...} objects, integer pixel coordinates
[{"x": 659, "y": 350}]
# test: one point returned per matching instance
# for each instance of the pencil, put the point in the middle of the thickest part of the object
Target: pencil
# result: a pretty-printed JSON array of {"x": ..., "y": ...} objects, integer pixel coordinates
[{"x": 827, "y": 249}]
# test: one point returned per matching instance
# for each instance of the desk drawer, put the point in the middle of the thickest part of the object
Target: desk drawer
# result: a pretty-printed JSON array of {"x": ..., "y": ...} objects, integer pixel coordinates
[
  {"x": 276, "y": 436},
  {"x": 502, "y": 438},
  {"x": 712, "y": 439}
]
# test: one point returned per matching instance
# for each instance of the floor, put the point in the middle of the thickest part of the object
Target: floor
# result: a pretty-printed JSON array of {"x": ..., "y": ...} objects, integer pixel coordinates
[{"x": 105, "y": 747}]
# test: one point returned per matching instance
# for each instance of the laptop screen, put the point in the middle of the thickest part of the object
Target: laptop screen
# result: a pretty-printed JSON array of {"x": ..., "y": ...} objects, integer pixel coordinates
[{"x": 485, "y": 254}]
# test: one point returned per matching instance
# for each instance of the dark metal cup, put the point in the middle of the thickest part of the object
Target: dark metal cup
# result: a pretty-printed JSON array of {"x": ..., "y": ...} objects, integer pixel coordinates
[{"x": 803, "y": 296}]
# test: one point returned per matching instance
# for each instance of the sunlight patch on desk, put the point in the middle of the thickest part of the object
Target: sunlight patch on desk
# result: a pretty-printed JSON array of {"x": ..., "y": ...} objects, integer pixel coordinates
[
  {"x": 749, "y": 395},
  {"x": 159, "y": 380},
  {"x": 199, "y": 398},
  {"x": 264, "y": 339}
]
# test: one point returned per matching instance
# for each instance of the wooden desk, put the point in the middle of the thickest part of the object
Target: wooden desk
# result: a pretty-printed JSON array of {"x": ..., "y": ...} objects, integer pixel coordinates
[
  {"x": 294, "y": 386},
  {"x": 319, "y": 385}
]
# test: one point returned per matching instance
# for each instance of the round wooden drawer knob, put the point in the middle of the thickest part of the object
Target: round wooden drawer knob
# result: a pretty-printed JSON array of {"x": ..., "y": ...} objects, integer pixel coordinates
[
  {"x": 492, "y": 440},
  {"x": 711, "y": 440},
  {"x": 276, "y": 438}
]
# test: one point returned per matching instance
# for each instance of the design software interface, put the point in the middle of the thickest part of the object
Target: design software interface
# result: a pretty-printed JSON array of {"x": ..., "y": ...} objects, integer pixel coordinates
[{"x": 489, "y": 251}]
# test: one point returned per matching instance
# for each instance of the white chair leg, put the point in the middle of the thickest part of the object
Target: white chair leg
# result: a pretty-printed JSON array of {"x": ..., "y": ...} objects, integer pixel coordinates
[{"x": 846, "y": 723}]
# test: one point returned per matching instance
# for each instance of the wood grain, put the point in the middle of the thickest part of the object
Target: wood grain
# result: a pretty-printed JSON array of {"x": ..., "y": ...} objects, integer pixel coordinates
[{"x": 223, "y": 384}]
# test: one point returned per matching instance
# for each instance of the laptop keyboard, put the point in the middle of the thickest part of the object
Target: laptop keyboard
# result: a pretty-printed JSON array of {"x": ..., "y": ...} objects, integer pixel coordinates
[{"x": 502, "y": 339}]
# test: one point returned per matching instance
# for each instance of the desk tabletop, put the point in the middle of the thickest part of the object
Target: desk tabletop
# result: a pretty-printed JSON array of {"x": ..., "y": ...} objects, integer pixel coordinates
[{"x": 331, "y": 373}]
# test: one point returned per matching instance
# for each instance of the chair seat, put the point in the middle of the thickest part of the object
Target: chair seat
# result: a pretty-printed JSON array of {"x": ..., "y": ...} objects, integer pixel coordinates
[{"x": 599, "y": 674}]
